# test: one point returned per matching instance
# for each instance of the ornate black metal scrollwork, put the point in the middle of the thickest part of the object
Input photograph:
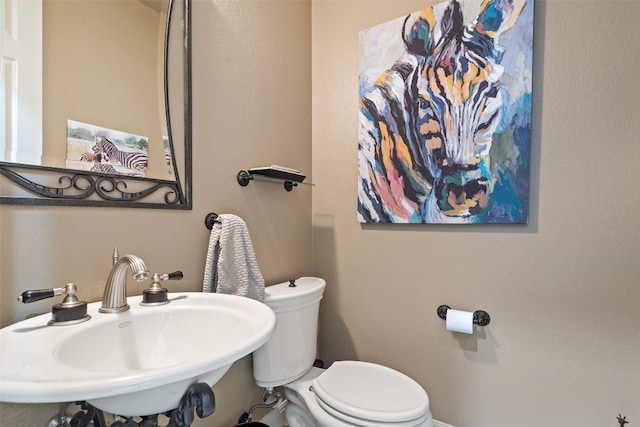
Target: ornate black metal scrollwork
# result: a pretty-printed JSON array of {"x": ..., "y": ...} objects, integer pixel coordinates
[
  {"x": 83, "y": 187},
  {"x": 90, "y": 416},
  {"x": 119, "y": 187},
  {"x": 70, "y": 183},
  {"x": 198, "y": 397}
]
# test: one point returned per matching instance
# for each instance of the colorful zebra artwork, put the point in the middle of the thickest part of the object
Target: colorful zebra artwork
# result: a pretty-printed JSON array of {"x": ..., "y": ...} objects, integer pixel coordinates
[{"x": 445, "y": 115}]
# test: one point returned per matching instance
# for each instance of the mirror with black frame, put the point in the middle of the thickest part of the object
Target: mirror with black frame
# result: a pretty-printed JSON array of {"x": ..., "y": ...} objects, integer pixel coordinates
[{"x": 116, "y": 106}]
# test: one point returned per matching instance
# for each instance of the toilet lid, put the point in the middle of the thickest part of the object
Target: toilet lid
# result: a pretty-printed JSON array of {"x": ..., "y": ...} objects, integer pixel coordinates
[{"x": 371, "y": 392}]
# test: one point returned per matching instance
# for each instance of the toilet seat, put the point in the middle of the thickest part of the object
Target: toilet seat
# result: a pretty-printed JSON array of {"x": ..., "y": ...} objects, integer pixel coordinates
[{"x": 367, "y": 394}]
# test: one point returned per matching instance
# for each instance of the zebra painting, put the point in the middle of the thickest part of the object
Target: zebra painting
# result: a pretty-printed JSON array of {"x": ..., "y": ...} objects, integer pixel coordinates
[
  {"x": 445, "y": 126},
  {"x": 128, "y": 159}
]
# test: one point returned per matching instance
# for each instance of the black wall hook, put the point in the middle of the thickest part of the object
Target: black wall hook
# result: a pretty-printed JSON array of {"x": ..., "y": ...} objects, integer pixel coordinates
[{"x": 211, "y": 219}]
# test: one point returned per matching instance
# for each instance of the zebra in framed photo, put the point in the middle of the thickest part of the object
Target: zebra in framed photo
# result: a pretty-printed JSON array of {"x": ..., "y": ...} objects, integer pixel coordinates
[{"x": 128, "y": 159}]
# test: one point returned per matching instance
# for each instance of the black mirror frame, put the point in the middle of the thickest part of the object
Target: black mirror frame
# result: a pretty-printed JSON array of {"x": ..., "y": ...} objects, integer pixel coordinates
[{"x": 80, "y": 188}]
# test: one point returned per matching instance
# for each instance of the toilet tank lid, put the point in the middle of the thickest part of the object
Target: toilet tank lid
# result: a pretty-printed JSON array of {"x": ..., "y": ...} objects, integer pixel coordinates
[
  {"x": 306, "y": 290},
  {"x": 371, "y": 392}
]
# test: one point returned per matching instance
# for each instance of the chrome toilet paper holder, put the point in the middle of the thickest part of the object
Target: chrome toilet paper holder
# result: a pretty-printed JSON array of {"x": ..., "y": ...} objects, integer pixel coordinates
[{"x": 480, "y": 317}]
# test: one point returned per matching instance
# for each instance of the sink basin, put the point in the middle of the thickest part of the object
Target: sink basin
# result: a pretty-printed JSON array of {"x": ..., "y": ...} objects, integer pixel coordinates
[{"x": 139, "y": 362}]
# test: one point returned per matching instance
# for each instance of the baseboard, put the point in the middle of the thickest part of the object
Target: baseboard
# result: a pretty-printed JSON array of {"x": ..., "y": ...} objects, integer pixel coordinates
[{"x": 275, "y": 418}]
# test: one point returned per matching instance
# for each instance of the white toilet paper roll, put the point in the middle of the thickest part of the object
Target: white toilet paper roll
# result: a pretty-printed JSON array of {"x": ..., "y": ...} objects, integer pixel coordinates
[{"x": 460, "y": 321}]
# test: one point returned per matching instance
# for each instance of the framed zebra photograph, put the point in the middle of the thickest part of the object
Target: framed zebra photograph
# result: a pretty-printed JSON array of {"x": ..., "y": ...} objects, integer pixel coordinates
[
  {"x": 445, "y": 115},
  {"x": 97, "y": 149}
]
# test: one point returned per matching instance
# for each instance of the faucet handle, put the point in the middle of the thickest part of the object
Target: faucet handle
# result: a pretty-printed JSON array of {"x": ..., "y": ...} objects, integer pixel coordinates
[
  {"x": 176, "y": 275},
  {"x": 39, "y": 294},
  {"x": 156, "y": 294},
  {"x": 70, "y": 311}
]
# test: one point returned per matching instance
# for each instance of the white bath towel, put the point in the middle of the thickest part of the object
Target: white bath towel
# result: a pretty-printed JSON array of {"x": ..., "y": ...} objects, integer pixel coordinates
[{"x": 231, "y": 266}]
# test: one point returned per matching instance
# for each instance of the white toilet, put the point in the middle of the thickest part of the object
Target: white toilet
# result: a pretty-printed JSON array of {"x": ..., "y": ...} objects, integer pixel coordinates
[{"x": 348, "y": 393}]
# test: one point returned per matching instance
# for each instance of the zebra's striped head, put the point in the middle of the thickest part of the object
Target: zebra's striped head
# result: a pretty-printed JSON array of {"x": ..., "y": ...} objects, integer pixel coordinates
[
  {"x": 456, "y": 101},
  {"x": 102, "y": 145}
]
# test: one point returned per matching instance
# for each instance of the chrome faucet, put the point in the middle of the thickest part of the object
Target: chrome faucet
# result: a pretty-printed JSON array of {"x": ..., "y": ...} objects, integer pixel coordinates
[{"x": 114, "y": 299}]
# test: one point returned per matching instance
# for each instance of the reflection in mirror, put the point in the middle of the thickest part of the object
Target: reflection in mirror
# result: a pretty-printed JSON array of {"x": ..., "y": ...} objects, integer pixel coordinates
[
  {"x": 116, "y": 104},
  {"x": 104, "y": 70}
]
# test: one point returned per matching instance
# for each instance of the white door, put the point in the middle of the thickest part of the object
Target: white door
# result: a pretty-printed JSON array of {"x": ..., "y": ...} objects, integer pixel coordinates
[{"x": 21, "y": 81}]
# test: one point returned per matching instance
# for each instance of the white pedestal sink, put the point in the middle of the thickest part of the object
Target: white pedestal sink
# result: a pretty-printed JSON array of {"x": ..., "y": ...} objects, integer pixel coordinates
[{"x": 139, "y": 362}]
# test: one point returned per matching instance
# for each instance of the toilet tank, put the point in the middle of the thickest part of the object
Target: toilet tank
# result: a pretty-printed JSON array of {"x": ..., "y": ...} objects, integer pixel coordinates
[{"x": 292, "y": 349}]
